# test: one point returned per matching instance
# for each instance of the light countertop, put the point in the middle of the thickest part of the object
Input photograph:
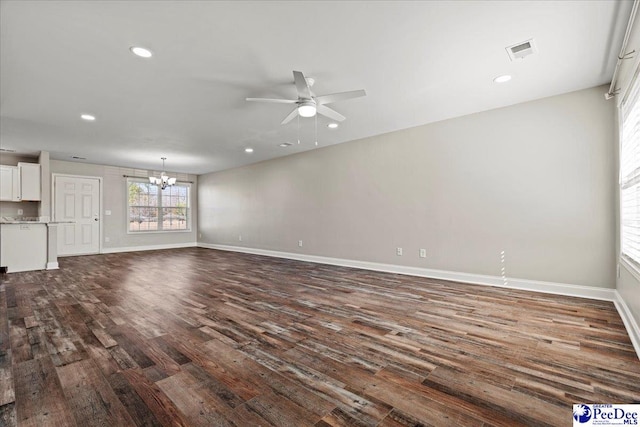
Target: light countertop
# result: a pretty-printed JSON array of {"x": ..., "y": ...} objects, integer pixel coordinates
[{"x": 11, "y": 220}]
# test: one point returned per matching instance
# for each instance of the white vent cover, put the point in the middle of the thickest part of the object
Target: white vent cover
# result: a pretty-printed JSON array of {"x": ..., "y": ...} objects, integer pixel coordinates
[{"x": 521, "y": 50}]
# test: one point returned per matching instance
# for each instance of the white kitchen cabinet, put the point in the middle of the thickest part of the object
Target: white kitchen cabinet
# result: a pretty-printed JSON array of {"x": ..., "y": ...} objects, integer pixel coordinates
[
  {"x": 23, "y": 247},
  {"x": 9, "y": 183},
  {"x": 29, "y": 181}
]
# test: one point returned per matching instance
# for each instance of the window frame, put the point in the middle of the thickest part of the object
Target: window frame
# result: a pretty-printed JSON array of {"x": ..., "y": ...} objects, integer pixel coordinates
[
  {"x": 629, "y": 176},
  {"x": 159, "y": 207}
]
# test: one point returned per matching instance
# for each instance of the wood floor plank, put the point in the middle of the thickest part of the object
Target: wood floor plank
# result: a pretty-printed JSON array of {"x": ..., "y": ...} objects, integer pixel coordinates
[
  {"x": 90, "y": 396},
  {"x": 4, "y": 320},
  {"x": 523, "y": 408},
  {"x": 40, "y": 399},
  {"x": 281, "y": 411},
  {"x": 164, "y": 410},
  {"x": 132, "y": 345},
  {"x": 7, "y": 392},
  {"x": 299, "y": 394},
  {"x": 199, "y": 406},
  {"x": 20, "y": 346},
  {"x": 8, "y": 416},
  {"x": 140, "y": 414},
  {"x": 411, "y": 400},
  {"x": 103, "y": 336},
  {"x": 213, "y": 387},
  {"x": 190, "y": 337}
]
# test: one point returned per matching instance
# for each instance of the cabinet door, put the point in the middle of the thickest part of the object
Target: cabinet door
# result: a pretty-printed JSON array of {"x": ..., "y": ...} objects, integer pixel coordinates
[
  {"x": 23, "y": 247},
  {"x": 29, "y": 181},
  {"x": 9, "y": 184}
]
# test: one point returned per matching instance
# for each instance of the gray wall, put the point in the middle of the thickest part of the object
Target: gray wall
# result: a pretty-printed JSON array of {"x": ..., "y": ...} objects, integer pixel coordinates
[
  {"x": 115, "y": 199},
  {"x": 535, "y": 180},
  {"x": 44, "y": 208}
]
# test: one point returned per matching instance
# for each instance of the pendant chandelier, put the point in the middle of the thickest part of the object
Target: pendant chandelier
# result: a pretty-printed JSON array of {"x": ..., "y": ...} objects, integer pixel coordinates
[{"x": 164, "y": 181}]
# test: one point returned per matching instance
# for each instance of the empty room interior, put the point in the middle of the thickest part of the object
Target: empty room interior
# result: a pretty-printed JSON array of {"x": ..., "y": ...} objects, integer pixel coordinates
[{"x": 318, "y": 213}]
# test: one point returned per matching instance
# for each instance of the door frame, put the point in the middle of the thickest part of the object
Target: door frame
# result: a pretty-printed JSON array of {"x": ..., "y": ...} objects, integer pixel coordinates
[{"x": 100, "y": 203}]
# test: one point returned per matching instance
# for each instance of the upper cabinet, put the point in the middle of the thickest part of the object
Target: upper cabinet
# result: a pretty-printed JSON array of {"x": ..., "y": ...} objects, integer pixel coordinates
[
  {"x": 9, "y": 183},
  {"x": 29, "y": 181},
  {"x": 21, "y": 183}
]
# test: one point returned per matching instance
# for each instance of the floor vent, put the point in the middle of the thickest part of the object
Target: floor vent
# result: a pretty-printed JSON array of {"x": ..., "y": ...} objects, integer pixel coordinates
[{"x": 521, "y": 50}]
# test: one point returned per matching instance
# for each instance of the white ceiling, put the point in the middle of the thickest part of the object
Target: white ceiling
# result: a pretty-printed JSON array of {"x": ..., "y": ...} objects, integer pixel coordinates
[{"x": 419, "y": 62}]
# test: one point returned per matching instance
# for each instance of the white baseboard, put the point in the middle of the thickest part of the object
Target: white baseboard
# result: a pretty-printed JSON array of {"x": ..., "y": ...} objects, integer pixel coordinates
[
  {"x": 52, "y": 265},
  {"x": 629, "y": 322},
  {"x": 605, "y": 294},
  {"x": 148, "y": 247},
  {"x": 476, "y": 279}
]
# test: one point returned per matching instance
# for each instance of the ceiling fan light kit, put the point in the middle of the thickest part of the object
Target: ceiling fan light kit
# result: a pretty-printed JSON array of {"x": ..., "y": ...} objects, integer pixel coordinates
[{"x": 307, "y": 109}]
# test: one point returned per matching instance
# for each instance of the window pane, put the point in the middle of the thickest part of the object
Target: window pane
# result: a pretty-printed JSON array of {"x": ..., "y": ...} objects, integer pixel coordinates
[
  {"x": 174, "y": 219},
  {"x": 144, "y": 210},
  {"x": 143, "y": 219},
  {"x": 630, "y": 176}
]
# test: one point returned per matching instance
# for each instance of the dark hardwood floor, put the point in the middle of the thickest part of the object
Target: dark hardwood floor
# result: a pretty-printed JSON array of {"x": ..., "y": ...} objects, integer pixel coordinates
[{"x": 197, "y": 337}]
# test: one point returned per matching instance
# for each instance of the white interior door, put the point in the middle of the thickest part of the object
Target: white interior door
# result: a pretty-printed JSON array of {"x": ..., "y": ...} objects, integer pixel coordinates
[{"x": 77, "y": 200}]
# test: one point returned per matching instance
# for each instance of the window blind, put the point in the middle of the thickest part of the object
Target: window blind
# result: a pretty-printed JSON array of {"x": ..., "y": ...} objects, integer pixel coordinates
[{"x": 630, "y": 175}]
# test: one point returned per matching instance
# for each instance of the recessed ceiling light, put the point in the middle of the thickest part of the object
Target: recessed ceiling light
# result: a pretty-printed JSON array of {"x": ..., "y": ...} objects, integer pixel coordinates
[
  {"x": 332, "y": 125},
  {"x": 502, "y": 79},
  {"x": 141, "y": 52},
  {"x": 248, "y": 150},
  {"x": 88, "y": 117},
  {"x": 284, "y": 144}
]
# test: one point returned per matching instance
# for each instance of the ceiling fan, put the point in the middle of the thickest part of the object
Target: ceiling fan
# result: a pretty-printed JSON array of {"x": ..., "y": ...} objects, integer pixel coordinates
[{"x": 307, "y": 105}]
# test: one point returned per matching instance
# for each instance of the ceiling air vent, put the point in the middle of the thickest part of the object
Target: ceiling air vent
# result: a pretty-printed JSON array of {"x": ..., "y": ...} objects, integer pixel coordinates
[{"x": 521, "y": 50}]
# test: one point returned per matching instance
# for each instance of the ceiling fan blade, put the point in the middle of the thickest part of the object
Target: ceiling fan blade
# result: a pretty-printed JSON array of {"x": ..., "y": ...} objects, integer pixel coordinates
[
  {"x": 280, "y": 101},
  {"x": 328, "y": 112},
  {"x": 301, "y": 85},
  {"x": 290, "y": 116},
  {"x": 334, "y": 97}
]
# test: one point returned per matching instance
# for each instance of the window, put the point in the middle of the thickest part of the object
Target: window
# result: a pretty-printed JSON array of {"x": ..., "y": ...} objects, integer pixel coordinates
[
  {"x": 153, "y": 209},
  {"x": 630, "y": 175}
]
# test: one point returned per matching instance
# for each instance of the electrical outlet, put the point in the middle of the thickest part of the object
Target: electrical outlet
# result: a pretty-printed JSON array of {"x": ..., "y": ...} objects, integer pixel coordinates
[
  {"x": 399, "y": 251},
  {"x": 423, "y": 253},
  {"x": 199, "y": 235},
  {"x": 20, "y": 211},
  {"x": 299, "y": 243},
  {"x": 107, "y": 239},
  {"x": 107, "y": 212},
  {"x": 239, "y": 237}
]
